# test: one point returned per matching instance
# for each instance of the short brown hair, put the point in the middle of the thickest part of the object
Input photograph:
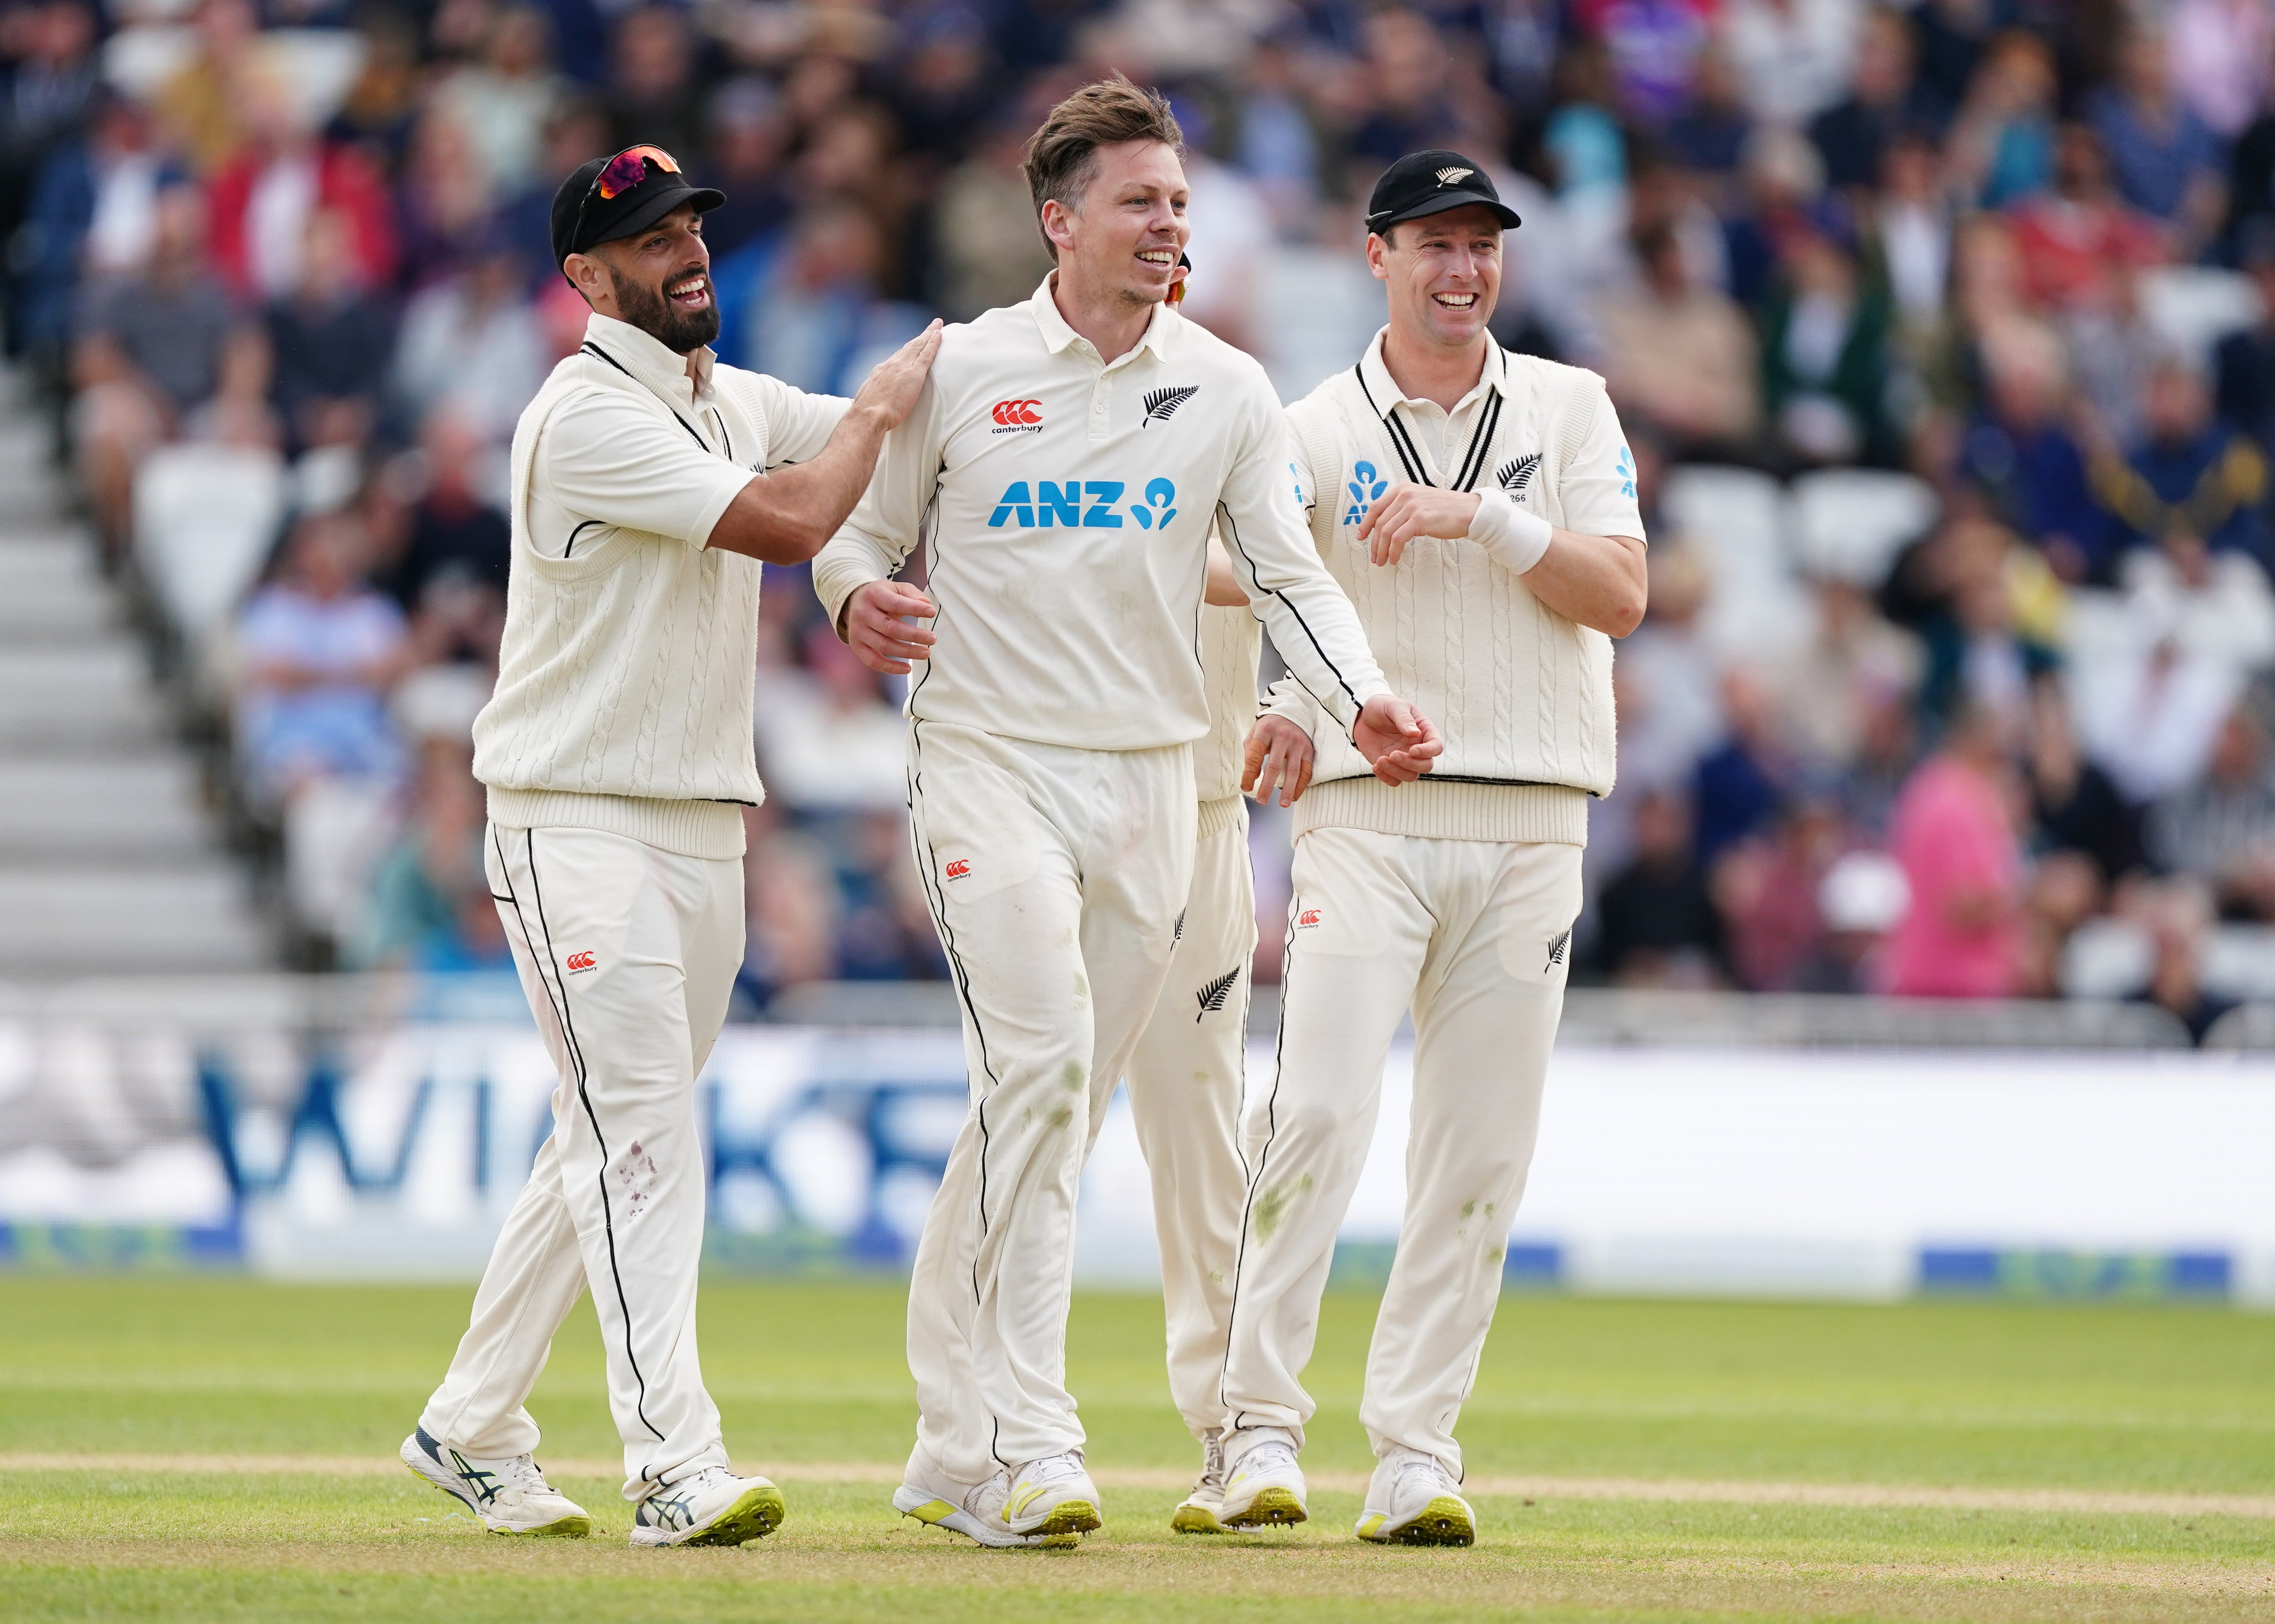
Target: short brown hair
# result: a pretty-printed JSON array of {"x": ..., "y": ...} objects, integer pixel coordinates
[{"x": 1062, "y": 156}]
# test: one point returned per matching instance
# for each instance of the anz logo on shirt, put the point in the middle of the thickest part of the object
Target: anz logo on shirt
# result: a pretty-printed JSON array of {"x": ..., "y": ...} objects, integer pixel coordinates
[
  {"x": 1365, "y": 488},
  {"x": 1083, "y": 504}
]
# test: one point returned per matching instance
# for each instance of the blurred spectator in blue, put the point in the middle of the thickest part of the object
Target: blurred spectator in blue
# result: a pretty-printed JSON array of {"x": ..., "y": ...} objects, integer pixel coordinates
[
  {"x": 472, "y": 341},
  {"x": 1582, "y": 141},
  {"x": 1739, "y": 784},
  {"x": 2191, "y": 472},
  {"x": 750, "y": 139},
  {"x": 317, "y": 651},
  {"x": 886, "y": 932},
  {"x": 1824, "y": 348},
  {"x": 2019, "y": 453},
  {"x": 653, "y": 96},
  {"x": 417, "y": 886},
  {"x": 814, "y": 317},
  {"x": 46, "y": 98},
  {"x": 2220, "y": 829},
  {"x": 1952, "y": 36},
  {"x": 1275, "y": 142},
  {"x": 1781, "y": 177},
  {"x": 161, "y": 355},
  {"x": 1654, "y": 46},
  {"x": 331, "y": 339},
  {"x": 1707, "y": 136},
  {"x": 2246, "y": 361},
  {"x": 503, "y": 101},
  {"x": 454, "y": 530},
  {"x": 1794, "y": 56},
  {"x": 1657, "y": 924},
  {"x": 2002, "y": 141},
  {"x": 1412, "y": 106},
  {"x": 946, "y": 86},
  {"x": 1884, "y": 99},
  {"x": 2166, "y": 163},
  {"x": 92, "y": 213}
]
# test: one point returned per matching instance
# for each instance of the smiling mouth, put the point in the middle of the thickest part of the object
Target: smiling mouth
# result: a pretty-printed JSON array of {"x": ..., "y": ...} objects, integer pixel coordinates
[
  {"x": 1459, "y": 302},
  {"x": 690, "y": 292},
  {"x": 1159, "y": 259}
]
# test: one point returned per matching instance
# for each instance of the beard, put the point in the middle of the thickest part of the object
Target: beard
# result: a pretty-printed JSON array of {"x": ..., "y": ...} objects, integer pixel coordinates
[{"x": 680, "y": 331}]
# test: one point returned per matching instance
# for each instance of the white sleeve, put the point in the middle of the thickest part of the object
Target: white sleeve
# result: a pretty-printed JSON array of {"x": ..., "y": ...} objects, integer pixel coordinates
[
  {"x": 877, "y": 537},
  {"x": 1262, "y": 511},
  {"x": 798, "y": 424},
  {"x": 1596, "y": 486},
  {"x": 607, "y": 456}
]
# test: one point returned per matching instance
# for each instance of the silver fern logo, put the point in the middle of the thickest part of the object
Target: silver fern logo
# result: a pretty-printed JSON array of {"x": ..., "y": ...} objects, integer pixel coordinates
[
  {"x": 1212, "y": 997},
  {"x": 1557, "y": 943},
  {"x": 1447, "y": 178},
  {"x": 1160, "y": 405},
  {"x": 1514, "y": 474}
]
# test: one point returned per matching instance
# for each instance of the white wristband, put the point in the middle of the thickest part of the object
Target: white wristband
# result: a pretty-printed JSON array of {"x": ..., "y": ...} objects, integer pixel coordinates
[{"x": 1512, "y": 538}]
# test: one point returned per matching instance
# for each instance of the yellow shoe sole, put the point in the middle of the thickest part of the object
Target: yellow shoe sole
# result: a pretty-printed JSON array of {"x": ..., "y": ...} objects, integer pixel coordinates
[
  {"x": 1270, "y": 1507},
  {"x": 1191, "y": 1519},
  {"x": 1067, "y": 1519},
  {"x": 756, "y": 1515},
  {"x": 1444, "y": 1522}
]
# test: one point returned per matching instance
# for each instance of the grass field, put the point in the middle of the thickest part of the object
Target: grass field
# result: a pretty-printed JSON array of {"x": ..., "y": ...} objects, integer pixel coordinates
[{"x": 197, "y": 1449}]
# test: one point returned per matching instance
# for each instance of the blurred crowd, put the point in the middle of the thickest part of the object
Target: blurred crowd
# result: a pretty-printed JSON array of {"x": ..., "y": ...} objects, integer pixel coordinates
[{"x": 2014, "y": 259}]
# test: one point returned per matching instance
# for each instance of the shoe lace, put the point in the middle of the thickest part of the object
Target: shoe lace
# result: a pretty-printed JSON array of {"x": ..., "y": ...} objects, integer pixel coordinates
[
  {"x": 1271, "y": 1455},
  {"x": 1212, "y": 1463},
  {"x": 524, "y": 1473},
  {"x": 1051, "y": 1467},
  {"x": 1422, "y": 1466}
]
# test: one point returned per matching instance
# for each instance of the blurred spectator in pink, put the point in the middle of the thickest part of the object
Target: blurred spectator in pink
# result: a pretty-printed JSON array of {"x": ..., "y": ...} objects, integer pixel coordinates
[
  {"x": 2220, "y": 51},
  {"x": 263, "y": 197},
  {"x": 2166, "y": 161},
  {"x": 331, "y": 339},
  {"x": 1680, "y": 356},
  {"x": 2074, "y": 241},
  {"x": 318, "y": 650},
  {"x": 1953, "y": 834},
  {"x": 163, "y": 355}
]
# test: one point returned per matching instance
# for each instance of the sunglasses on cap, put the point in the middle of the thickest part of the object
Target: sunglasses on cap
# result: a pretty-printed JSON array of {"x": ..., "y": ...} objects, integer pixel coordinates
[{"x": 618, "y": 176}]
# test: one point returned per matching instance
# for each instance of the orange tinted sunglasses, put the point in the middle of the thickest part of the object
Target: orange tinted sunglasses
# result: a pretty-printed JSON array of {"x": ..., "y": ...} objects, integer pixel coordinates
[{"x": 619, "y": 174}]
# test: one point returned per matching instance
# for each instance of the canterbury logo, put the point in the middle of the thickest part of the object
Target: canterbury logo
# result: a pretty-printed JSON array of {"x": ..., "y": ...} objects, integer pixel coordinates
[
  {"x": 1514, "y": 474},
  {"x": 1556, "y": 946},
  {"x": 1447, "y": 178},
  {"x": 1161, "y": 403},
  {"x": 1017, "y": 413},
  {"x": 1213, "y": 996},
  {"x": 1308, "y": 919},
  {"x": 581, "y": 961},
  {"x": 959, "y": 869}
]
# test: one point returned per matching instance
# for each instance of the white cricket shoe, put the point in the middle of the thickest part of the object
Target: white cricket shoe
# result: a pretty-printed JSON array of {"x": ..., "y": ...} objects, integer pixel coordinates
[
  {"x": 1202, "y": 1512},
  {"x": 710, "y": 1507},
  {"x": 1264, "y": 1485},
  {"x": 1058, "y": 1504},
  {"x": 1412, "y": 1500},
  {"x": 510, "y": 1496}
]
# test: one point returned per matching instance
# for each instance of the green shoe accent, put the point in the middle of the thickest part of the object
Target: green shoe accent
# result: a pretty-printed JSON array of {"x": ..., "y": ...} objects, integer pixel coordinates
[
  {"x": 931, "y": 1511},
  {"x": 567, "y": 1527},
  {"x": 1069, "y": 1517},
  {"x": 1195, "y": 1520},
  {"x": 757, "y": 1514},
  {"x": 1269, "y": 1506},
  {"x": 1444, "y": 1522},
  {"x": 1370, "y": 1525}
]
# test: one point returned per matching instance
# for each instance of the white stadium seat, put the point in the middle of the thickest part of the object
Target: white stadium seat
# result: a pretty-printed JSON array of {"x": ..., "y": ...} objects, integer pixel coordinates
[{"x": 1849, "y": 524}]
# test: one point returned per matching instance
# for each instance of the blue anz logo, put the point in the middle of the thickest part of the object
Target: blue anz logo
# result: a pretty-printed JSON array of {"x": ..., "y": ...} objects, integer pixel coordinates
[
  {"x": 1365, "y": 490},
  {"x": 1082, "y": 504},
  {"x": 1626, "y": 474}
]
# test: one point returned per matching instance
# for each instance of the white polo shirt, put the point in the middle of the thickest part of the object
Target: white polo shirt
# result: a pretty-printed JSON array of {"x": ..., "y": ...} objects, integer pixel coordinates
[
  {"x": 1064, "y": 502},
  {"x": 624, "y": 679}
]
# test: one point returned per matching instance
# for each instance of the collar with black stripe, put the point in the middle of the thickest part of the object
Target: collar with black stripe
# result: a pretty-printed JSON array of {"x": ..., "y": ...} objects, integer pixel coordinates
[{"x": 1384, "y": 398}]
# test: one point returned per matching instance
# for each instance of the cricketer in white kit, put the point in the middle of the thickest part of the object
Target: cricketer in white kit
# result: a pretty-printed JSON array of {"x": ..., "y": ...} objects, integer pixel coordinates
[
  {"x": 1062, "y": 469},
  {"x": 649, "y": 484},
  {"x": 1480, "y": 508}
]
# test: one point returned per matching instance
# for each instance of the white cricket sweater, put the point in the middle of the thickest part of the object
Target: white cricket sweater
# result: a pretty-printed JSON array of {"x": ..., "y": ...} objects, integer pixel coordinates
[
  {"x": 1064, "y": 506},
  {"x": 1521, "y": 695},
  {"x": 1231, "y": 640},
  {"x": 624, "y": 680}
]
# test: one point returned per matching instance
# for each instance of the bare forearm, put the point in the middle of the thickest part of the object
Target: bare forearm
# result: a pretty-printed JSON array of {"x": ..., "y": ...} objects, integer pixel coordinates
[
  {"x": 787, "y": 517},
  {"x": 1595, "y": 580}
]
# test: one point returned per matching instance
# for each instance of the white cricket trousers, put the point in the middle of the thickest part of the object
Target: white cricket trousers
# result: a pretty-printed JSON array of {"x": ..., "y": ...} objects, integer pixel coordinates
[
  {"x": 627, "y": 953},
  {"x": 1055, "y": 876},
  {"x": 1184, "y": 1096},
  {"x": 1475, "y": 934}
]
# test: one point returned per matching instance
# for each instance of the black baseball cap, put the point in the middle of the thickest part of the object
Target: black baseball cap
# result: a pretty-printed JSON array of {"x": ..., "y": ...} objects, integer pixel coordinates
[
  {"x": 1422, "y": 184},
  {"x": 582, "y": 218}
]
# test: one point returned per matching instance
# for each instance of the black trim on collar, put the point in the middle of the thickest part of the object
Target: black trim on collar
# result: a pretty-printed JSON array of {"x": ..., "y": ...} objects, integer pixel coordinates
[{"x": 589, "y": 348}]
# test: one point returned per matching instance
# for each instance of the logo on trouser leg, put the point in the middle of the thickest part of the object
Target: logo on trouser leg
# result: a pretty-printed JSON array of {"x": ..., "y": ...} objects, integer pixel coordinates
[
  {"x": 1309, "y": 918},
  {"x": 576, "y": 961},
  {"x": 1557, "y": 943},
  {"x": 1213, "y": 996},
  {"x": 959, "y": 869}
]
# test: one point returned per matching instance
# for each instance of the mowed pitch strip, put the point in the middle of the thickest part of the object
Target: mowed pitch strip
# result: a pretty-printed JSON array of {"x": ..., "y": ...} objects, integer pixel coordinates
[{"x": 1861, "y": 1496}]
